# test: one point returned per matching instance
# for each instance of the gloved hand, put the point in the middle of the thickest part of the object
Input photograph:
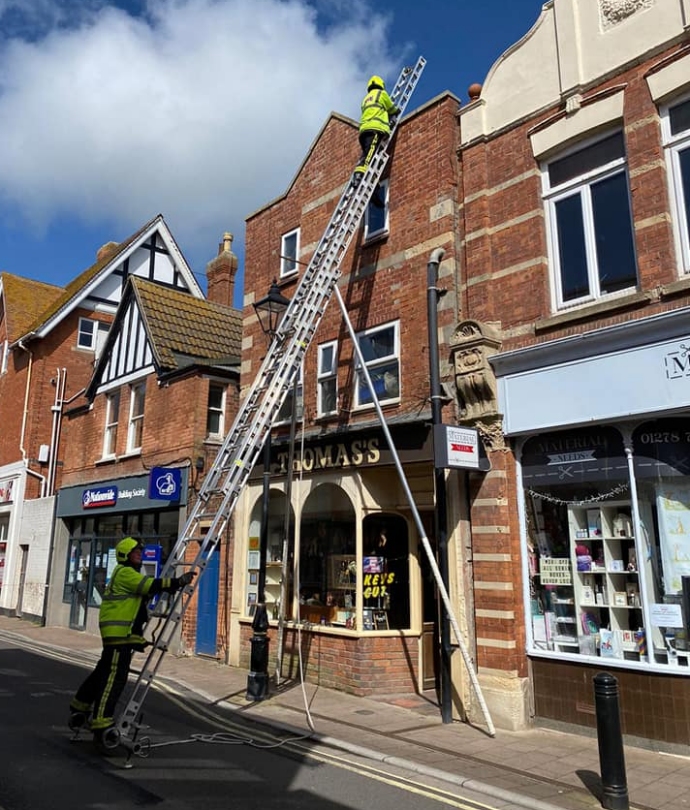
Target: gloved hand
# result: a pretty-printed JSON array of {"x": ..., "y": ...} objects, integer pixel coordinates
[{"x": 186, "y": 578}]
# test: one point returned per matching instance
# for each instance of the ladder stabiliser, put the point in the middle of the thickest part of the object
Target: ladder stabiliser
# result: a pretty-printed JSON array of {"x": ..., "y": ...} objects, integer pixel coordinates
[{"x": 244, "y": 441}]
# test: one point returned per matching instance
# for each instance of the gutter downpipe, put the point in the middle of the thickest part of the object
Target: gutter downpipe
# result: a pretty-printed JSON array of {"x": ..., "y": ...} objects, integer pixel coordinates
[
  {"x": 53, "y": 523},
  {"x": 25, "y": 460},
  {"x": 61, "y": 382},
  {"x": 433, "y": 295}
]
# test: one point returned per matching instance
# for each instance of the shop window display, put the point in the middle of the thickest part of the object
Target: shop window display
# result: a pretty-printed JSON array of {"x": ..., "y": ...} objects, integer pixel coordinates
[
  {"x": 332, "y": 579},
  {"x": 608, "y": 547}
]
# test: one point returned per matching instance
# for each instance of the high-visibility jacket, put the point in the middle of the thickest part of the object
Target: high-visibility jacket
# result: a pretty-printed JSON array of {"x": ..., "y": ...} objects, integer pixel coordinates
[
  {"x": 124, "y": 596},
  {"x": 377, "y": 106}
]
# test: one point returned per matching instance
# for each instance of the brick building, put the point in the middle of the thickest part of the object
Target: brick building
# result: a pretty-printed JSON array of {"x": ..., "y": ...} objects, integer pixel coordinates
[
  {"x": 140, "y": 439},
  {"x": 359, "y": 580},
  {"x": 575, "y": 184},
  {"x": 50, "y": 337}
]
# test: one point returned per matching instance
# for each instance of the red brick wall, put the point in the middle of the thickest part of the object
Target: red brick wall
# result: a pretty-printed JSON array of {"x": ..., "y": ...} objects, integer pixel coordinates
[
  {"x": 506, "y": 279},
  {"x": 174, "y": 433},
  {"x": 501, "y": 179},
  {"x": 360, "y": 666},
  {"x": 423, "y": 173},
  {"x": 57, "y": 351}
]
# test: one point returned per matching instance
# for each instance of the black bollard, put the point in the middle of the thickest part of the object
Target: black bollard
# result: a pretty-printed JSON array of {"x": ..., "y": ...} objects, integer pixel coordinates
[
  {"x": 257, "y": 680},
  {"x": 610, "y": 737}
]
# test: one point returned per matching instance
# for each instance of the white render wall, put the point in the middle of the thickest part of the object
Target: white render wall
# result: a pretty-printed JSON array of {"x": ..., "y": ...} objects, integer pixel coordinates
[
  {"x": 35, "y": 532},
  {"x": 573, "y": 44}
]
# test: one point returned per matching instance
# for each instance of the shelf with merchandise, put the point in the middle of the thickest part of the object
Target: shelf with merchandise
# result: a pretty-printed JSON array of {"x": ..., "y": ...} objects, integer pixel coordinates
[{"x": 605, "y": 578}]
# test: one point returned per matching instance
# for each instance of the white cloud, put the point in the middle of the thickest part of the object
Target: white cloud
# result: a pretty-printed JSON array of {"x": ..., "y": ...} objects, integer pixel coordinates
[{"x": 199, "y": 109}]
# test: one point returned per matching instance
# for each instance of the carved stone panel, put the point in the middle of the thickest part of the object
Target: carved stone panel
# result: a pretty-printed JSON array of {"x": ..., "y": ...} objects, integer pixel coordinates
[
  {"x": 471, "y": 346},
  {"x": 615, "y": 11}
]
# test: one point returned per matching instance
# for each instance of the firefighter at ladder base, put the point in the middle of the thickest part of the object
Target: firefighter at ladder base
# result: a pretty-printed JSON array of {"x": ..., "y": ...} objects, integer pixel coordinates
[
  {"x": 375, "y": 124},
  {"x": 122, "y": 617}
]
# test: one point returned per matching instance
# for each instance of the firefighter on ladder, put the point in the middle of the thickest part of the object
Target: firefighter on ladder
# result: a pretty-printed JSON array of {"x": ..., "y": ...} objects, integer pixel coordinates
[
  {"x": 374, "y": 125},
  {"x": 122, "y": 617}
]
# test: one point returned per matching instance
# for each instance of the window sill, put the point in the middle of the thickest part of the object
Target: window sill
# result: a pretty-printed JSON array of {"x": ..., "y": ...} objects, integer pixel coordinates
[
  {"x": 588, "y": 311},
  {"x": 130, "y": 454},
  {"x": 214, "y": 440},
  {"x": 378, "y": 236},
  {"x": 105, "y": 460},
  {"x": 682, "y": 285}
]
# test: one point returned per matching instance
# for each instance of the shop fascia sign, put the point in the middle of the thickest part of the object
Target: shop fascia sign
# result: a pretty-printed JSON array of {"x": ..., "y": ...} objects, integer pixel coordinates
[
  {"x": 458, "y": 448},
  {"x": 99, "y": 497}
]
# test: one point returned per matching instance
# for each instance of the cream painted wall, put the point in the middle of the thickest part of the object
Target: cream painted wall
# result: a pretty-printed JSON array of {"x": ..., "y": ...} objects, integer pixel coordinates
[{"x": 572, "y": 45}]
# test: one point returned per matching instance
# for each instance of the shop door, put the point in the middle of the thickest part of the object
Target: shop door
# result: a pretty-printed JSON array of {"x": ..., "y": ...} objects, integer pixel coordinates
[
  {"x": 207, "y": 611},
  {"x": 80, "y": 558},
  {"x": 430, "y": 612}
]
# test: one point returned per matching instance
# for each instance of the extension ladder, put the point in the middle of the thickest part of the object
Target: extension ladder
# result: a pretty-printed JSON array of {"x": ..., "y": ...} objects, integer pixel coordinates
[{"x": 243, "y": 444}]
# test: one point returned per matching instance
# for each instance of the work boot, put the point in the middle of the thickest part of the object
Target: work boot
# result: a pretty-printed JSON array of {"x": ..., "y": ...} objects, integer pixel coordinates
[{"x": 77, "y": 719}]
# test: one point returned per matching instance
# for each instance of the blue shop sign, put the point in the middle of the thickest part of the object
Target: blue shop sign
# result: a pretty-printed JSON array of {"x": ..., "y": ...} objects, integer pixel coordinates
[
  {"x": 126, "y": 494},
  {"x": 165, "y": 483},
  {"x": 98, "y": 497}
]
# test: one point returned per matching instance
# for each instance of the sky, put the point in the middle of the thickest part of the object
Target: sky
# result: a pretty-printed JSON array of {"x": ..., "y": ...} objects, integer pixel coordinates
[{"x": 114, "y": 111}]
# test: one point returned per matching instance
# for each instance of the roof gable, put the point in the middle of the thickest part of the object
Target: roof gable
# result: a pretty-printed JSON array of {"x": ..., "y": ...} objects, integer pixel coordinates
[
  {"x": 168, "y": 331},
  {"x": 150, "y": 253}
]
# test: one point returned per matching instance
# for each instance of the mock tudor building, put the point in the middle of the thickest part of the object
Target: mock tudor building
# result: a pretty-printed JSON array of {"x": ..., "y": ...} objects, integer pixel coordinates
[
  {"x": 51, "y": 337},
  {"x": 575, "y": 304},
  {"x": 140, "y": 439},
  {"x": 359, "y": 581}
]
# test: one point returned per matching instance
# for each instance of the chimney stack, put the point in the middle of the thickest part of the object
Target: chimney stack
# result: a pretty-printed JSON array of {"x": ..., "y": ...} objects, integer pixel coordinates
[
  {"x": 107, "y": 251},
  {"x": 220, "y": 273}
]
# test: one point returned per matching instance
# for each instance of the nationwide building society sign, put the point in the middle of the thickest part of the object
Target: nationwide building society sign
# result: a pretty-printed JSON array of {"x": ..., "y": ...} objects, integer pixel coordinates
[{"x": 161, "y": 487}]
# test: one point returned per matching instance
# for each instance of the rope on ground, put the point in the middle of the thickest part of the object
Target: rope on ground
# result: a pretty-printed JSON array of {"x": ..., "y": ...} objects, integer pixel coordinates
[{"x": 217, "y": 738}]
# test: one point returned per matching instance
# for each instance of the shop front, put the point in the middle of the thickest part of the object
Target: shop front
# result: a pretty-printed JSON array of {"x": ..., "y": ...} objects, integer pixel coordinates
[
  {"x": 90, "y": 521},
  {"x": 347, "y": 582},
  {"x": 604, "y": 500}
]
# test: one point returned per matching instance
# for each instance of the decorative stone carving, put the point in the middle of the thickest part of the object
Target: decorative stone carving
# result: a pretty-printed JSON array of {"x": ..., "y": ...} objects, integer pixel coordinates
[
  {"x": 615, "y": 11},
  {"x": 471, "y": 346}
]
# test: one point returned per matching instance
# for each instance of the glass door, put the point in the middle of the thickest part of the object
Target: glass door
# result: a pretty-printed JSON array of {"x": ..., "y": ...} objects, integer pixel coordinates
[{"x": 77, "y": 584}]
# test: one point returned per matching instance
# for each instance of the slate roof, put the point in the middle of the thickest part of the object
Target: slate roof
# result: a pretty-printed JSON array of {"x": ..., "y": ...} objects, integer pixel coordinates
[{"x": 25, "y": 300}]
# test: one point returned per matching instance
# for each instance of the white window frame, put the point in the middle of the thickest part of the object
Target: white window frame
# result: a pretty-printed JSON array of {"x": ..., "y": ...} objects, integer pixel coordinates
[
  {"x": 112, "y": 403},
  {"x": 5, "y": 348},
  {"x": 216, "y": 411},
  {"x": 581, "y": 186},
  {"x": 374, "y": 234},
  {"x": 326, "y": 374},
  {"x": 376, "y": 363},
  {"x": 673, "y": 146},
  {"x": 289, "y": 259},
  {"x": 135, "y": 425},
  {"x": 93, "y": 335}
]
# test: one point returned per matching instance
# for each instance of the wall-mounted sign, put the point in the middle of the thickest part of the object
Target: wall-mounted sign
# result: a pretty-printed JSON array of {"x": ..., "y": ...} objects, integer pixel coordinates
[
  {"x": 126, "y": 494},
  {"x": 97, "y": 497},
  {"x": 165, "y": 483},
  {"x": 456, "y": 447}
]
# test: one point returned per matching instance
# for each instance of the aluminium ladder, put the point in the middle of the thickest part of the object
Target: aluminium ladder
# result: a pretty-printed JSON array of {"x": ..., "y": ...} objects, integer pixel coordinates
[{"x": 243, "y": 443}]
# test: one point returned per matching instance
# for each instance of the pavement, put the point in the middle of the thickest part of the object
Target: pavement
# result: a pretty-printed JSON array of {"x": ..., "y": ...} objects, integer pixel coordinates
[{"x": 539, "y": 769}]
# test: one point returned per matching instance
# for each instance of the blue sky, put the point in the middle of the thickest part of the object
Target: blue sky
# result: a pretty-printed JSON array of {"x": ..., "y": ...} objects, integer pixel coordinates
[{"x": 201, "y": 110}]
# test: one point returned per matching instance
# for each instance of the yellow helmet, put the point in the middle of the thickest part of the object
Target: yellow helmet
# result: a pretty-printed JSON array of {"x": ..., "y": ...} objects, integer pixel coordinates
[
  {"x": 376, "y": 82},
  {"x": 124, "y": 548}
]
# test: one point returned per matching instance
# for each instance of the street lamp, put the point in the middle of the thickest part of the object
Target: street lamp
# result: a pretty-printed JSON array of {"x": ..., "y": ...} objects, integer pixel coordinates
[{"x": 269, "y": 311}]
